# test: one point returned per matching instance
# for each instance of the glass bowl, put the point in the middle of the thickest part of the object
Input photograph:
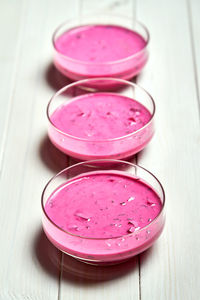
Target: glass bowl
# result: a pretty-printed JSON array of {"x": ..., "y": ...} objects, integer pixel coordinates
[
  {"x": 89, "y": 148},
  {"x": 125, "y": 68},
  {"x": 103, "y": 251}
]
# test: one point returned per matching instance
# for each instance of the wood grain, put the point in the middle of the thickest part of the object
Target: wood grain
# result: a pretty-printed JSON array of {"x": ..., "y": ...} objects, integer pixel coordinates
[
  {"x": 194, "y": 25},
  {"x": 170, "y": 272},
  {"x": 9, "y": 52},
  {"x": 29, "y": 264}
]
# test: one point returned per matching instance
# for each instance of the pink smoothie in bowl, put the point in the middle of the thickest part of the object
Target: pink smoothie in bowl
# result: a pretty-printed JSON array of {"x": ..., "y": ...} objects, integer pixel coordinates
[
  {"x": 96, "y": 125},
  {"x": 100, "y": 49},
  {"x": 103, "y": 216}
]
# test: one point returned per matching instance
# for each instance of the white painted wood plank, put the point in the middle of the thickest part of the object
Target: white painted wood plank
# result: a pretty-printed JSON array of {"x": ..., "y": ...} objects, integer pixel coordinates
[
  {"x": 119, "y": 7},
  {"x": 171, "y": 269},
  {"x": 90, "y": 282},
  {"x": 124, "y": 279},
  {"x": 29, "y": 264},
  {"x": 194, "y": 22},
  {"x": 10, "y": 28}
]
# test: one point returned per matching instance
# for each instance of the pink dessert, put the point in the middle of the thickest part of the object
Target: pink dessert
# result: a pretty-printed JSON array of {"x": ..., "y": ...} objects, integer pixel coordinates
[
  {"x": 100, "y": 51},
  {"x": 101, "y": 125},
  {"x": 103, "y": 205},
  {"x": 104, "y": 216}
]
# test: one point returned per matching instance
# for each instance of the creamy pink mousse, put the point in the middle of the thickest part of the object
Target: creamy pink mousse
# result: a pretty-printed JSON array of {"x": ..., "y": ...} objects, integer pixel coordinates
[
  {"x": 103, "y": 205},
  {"x": 100, "y": 50},
  {"x": 97, "y": 119},
  {"x": 100, "y": 116}
]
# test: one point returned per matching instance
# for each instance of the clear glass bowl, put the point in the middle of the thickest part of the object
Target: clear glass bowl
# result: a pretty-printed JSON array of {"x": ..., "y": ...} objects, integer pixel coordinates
[
  {"x": 103, "y": 251},
  {"x": 125, "y": 68},
  {"x": 115, "y": 148}
]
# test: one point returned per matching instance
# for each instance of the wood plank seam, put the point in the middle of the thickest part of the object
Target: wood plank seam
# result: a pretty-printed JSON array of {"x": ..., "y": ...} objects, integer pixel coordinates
[
  {"x": 194, "y": 54},
  {"x": 60, "y": 275}
]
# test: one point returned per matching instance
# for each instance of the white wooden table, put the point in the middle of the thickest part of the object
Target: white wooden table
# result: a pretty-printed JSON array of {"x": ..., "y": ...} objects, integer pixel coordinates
[{"x": 30, "y": 267}]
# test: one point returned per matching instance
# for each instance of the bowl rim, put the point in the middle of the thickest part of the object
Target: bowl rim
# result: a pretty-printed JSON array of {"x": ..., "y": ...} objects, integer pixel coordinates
[
  {"x": 63, "y": 89},
  {"x": 109, "y": 161},
  {"x": 141, "y": 25}
]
